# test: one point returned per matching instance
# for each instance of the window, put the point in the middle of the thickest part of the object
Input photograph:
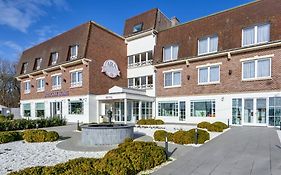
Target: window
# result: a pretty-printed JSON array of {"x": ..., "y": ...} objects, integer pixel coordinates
[
  {"x": 172, "y": 79},
  {"x": 40, "y": 85},
  {"x": 206, "y": 108},
  {"x": 236, "y": 111},
  {"x": 256, "y": 35},
  {"x": 26, "y": 110},
  {"x": 208, "y": 45},
  {"x": 146, "y": 110},
  {"x": 274, "y": 111},
  {"x": 76, "y": 107},
  {"x": 40, "y": 110},
  {"x": 73, "y": 52},
  {"x": 140, "y": 59},
  {"x": 27, "y": 86},
  {"x": 143, "y": 82},
  {"x": 137, "y": 28},
  {"x": 56, "y": 82},
  {"x": 168, "y": 109},
  {"x": 209, "y": 74},
  {"x": 182, "y": 111},
  {"x": 24, "y": 68},
  {"x": 37, "y": 65},
  {"x": 54, "y": 58},
  {"x": 255, "y": 69},
  {"x": 76, "y": 78},
  {"x": 170, "y": 53}
]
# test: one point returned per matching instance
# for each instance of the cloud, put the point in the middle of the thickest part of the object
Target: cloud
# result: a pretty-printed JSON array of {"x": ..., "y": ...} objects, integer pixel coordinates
[
  {"x": 10, "y": 50},
  {"x": 20, "y": 14}
]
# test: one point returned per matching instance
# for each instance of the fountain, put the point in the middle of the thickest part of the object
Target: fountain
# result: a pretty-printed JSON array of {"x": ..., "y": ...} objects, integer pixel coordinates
[{"x": 106, "y": 133}]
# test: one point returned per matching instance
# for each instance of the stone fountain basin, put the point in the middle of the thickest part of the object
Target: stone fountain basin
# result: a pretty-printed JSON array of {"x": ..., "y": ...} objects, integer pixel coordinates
[{"x": 105, "y": 134}]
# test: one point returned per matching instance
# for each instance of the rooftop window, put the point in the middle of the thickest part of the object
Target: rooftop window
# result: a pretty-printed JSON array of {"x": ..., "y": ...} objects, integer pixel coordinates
[
  {"x": 24, "y": 68},
  {"x": 73, "y": 52},
  {"x": 54, "y": 58},
  {"x": 137, "y": 28},
  {"x": 38, "y": 62}
]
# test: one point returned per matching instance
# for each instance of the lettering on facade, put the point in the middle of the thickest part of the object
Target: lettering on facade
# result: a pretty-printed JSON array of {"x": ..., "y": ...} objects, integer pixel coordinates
[
  {"x": 110, "y": 68},
  {"x": 57, "y": 94}
]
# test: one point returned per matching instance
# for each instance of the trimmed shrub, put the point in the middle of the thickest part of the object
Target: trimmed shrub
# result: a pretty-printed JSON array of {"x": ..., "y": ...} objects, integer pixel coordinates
[
  {"x": 214, "y": 128},
  {"x": 128, "y": 159},
  {"x": 21, "y": 124},
  {"x": 220, "y": 124},
  {"x": 203, "y": 125},
  {"x": 150, "y": 122},
  {"x": 160, "y": 135},
  {"x": 10, "y": 136},
  {"x": 40, "y": 136},
  {"x": 188, "y": 137}
]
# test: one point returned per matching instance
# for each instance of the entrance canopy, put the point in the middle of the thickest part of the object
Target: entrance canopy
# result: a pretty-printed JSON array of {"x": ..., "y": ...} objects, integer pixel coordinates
[
  {"x": 117, "y": 92},
  {"x": 127, "y": 104}
]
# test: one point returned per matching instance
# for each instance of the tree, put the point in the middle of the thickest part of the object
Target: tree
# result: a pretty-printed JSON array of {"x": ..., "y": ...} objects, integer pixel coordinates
[{"x": 9, "y": 86}]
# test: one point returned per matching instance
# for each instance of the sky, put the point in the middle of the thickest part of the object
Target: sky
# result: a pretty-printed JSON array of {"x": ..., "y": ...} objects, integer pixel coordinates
[{"x": 25, "y": 23}]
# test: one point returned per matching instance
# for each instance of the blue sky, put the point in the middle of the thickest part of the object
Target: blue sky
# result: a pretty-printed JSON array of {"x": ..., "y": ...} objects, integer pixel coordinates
[{"x": 25, "y": 23}]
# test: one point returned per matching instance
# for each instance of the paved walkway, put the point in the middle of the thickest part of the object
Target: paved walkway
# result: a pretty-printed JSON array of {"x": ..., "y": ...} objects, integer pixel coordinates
[{"x": 240, "y": 151}]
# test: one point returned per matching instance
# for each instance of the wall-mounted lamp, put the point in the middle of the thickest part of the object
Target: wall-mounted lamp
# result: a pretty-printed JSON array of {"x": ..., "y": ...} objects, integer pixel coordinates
[
  {"x": 222, "y": 99},
  {"x": 229, "y": 72},
  {"x": 188, "y": 77},
  {"x": 64, "y": 80},
  {"x": 32, "y": 86},
  {"x": 155, "y": 70},
  {"x": 47, "y": 83}
]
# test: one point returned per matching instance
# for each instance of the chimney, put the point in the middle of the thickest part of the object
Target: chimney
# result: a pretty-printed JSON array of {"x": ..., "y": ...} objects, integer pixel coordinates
[{"x": 174, "y": 21}]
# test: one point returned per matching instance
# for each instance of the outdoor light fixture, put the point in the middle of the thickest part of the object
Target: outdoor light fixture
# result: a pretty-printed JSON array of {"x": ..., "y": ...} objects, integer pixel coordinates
[
  {"x": 229, "y": 72},
  {"x": 64, "y": 80},
  {"x": 188, "y": 77}
]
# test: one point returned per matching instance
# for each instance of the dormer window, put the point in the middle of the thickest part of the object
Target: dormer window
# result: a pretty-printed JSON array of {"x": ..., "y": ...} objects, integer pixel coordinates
[
  {"x": 137, "y": 28},
  {"x": 73, "y": 52},
  {"x": 54, "y": 58},
  {"x": 24, "y": 68},
  {"x": 170, "y": 53},
  {"x": 208, "y": 45},
  {"x": 256, "y": 35},
  {"x": 38, "y": 62}
]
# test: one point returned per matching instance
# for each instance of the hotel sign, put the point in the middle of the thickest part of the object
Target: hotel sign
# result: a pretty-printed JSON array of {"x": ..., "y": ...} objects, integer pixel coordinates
[
  {"x": 56, "y": 94},
  {"x": 110, "y": 68}
]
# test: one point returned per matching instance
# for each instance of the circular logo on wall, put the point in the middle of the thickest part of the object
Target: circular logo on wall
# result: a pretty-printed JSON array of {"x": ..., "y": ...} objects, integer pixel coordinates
[{"x": 110, "y": 68}]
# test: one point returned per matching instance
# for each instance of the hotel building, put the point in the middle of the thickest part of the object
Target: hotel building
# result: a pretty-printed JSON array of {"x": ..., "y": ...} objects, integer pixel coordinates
[{"x": 222, "y": 67}]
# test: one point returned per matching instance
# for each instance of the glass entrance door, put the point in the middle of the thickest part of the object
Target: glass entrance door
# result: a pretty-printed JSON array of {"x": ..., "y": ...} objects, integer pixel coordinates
[
  {"x": 119, "y": 111},
  {"x": 255, "y": 111},
  {"x": 56, "y": 109},
  {"x": 249, "y": 111}
]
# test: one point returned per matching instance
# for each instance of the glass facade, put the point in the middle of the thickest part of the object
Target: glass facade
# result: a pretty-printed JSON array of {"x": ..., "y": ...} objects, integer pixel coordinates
[
  {"x": 168, "y": 109},
  {"x": 274, "y": 111},
  {"x": 204, "y": 108},
  {"x": 236, "y": 111}
]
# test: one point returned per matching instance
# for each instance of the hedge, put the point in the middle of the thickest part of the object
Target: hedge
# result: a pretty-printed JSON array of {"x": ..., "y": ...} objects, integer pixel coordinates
[
  {"x": 40, "y": 136},
  {"x": 128, "y": 159},
  {"x": 10, "y": 136},
  {"x": 182, "y": 137},
  {"x": 214, "y": 128},
  {"x": 203, "y": 125},
  {"x": 21, "y": 124},
  {"x": 220, "y": 124},
  {"x": 29, "y": 136},
  {"x": 160, "y": 135},
  {"x": 150, "y": 122}
]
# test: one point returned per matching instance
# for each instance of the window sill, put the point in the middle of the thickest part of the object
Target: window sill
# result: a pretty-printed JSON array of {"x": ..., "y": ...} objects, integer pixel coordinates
[
  {"x": 75, "y": 86},
  {"x": 56, "y": 88},
  {"x": 207, "y": 53},
  {"x": 166, "y": 61},
  {"x": 255, "y": 44},
  {"x": 169, "y": 87},
  {"x": 211, "y": 83},
  {"x": 40, "y": 90},
  {"x": 257, "y": 79},
  {"x": 27, "y": 92}
]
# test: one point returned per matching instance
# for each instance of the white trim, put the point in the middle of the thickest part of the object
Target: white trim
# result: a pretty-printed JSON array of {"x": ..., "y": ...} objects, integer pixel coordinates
[
  {"x": 76, "y": 70},
  {"x": 172, "y": 49},
  {"x": 209, "y": 64},
  {"x": 208, "y": 45},
  {"x": 39, "y": 78},
  {"x": 172, "y": 70},
  {"x": 209, "y": 82},
  {"x": 56, "y": 74},
  {"x": 257, "y": 57},
  {"x": 172, "y": 86},
  {"x": 26, "y": 81},
  {"x": 256, "y": 34}
]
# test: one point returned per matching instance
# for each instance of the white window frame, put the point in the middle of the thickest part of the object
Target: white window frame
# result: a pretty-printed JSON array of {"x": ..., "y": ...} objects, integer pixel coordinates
[
  {"x": 175, "y": 112},
  {"x": 57, "y": 86},
  {"x": 140, "y": 63},
  {"x": 213, "y": 107},
  {"x": 256, "y": 34},
  {"x": 72, "y": 57},
  {"x": 145, "y": 86},
  {"x": 24, "y": 67},
  {"x": 27, "y": 91},
  {"x": 173, "y": 71},
  {"x": 57, "y": 57},
  {"x": 76, "y": 101},
  {"x": 208, "y": 44},
  {"x": 172, "y": 48},
  {"x": 38, "y": 62},
  {"x": 40, "y": 89},
  {"x": 209, "y": 73},
  {"x": 77, "y": 83},
  {"x": 256, "y": 68}
]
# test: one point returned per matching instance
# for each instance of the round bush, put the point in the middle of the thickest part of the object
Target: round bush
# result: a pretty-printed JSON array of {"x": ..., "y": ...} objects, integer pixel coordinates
[
  {"x": 203, "y": 125},
  {"x": 160, "y": 135},
  {"x": 182, "y": 137},
  {"x": 220, "y": 124},
  {"x": 214, "y": 128},
  {"x": 203, "y": 136},
  {"x": 40, "y": 136},
  {"x": 150, "y": 122},
  {"x": 10, "y": 136}
]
